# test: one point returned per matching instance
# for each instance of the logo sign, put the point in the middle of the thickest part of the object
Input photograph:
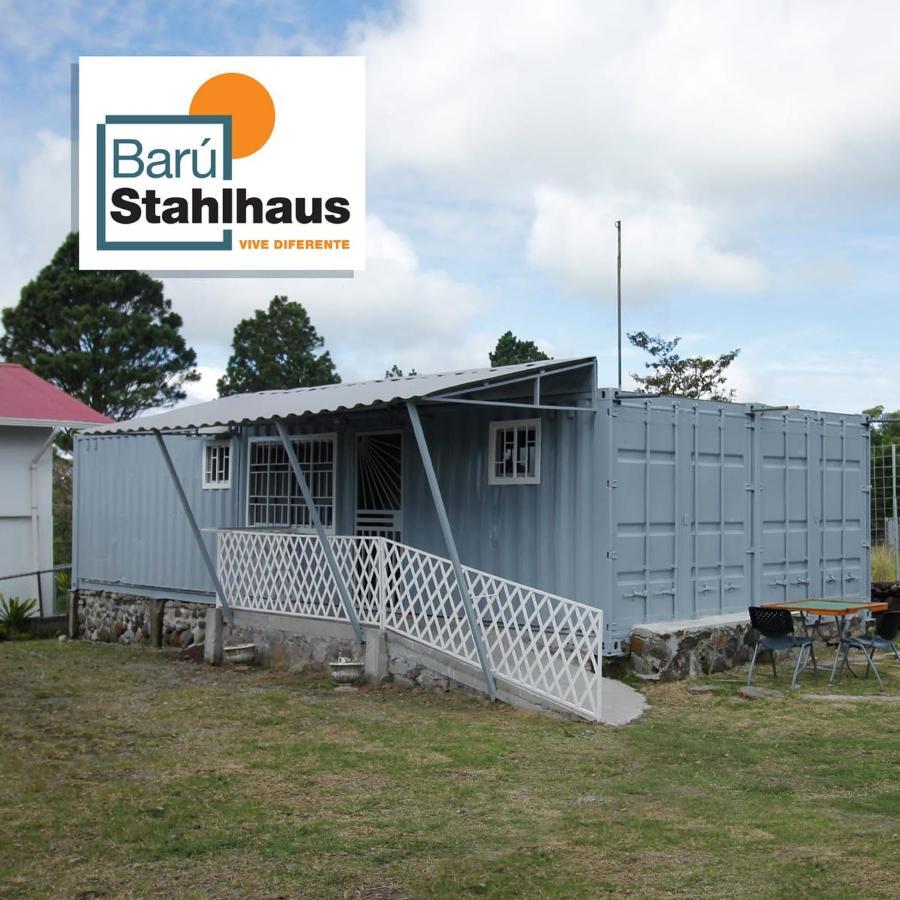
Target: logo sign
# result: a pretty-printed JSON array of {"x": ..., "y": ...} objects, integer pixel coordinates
[{"x": 222, "y": 164}]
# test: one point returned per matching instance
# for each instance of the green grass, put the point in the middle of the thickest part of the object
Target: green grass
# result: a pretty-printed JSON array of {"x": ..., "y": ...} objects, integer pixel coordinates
[{"x": 128, "y": 774}]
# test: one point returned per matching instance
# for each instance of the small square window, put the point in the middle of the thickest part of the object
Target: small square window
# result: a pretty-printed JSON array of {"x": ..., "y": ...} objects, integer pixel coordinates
[
  {"x": 217, "y": 465},
  {"x": 515, "y": 452}
]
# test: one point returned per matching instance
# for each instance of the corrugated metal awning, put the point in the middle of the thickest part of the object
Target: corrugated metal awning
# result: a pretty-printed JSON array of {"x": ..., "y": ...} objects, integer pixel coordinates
[{"x": 265, "y": 406}]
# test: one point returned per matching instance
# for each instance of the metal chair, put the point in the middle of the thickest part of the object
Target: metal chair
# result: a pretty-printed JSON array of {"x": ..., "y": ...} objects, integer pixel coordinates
[
  {"x": 776, "y": 632},
  {"x": 887, "y": 627}
]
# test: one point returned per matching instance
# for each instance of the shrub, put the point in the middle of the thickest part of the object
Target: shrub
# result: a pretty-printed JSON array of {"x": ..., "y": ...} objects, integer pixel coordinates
[
  {"x": 14, "y": 613},
  {"x": 883, "y": 562}
]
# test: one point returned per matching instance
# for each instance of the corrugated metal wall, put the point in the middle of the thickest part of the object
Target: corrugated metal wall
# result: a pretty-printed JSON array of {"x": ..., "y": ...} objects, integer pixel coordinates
[
  {"x": 716, "y": 507},
  {"x": 541, "y": 535},
  {"x": 130, "y": 531}
]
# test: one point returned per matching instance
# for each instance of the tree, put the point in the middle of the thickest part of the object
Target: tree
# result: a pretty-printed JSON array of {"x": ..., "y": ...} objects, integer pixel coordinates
[
  {"x": 886, "y": 430},
  {"x": 511, "y": 351},
  {"x": 396, "y": 372},
  {"x": 108, "y": 338},
  {"x": 276, "y": 349},
  {"x": 671, "y": 374}
]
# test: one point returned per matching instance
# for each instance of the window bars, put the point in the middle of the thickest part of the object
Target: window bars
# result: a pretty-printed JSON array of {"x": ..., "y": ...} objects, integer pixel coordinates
[
  {"x": 273, "y": 496},
  {"x": 515, "y": 452},
  {"x": 217, "y": 465}
]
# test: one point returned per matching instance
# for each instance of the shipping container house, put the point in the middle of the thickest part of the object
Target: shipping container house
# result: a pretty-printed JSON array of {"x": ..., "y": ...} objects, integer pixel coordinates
[{"x": 649, "y": 508}]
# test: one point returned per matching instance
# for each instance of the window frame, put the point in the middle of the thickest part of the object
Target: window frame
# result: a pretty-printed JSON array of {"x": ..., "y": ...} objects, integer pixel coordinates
[
  {"x": 506, "y": 425},
  {"x": 209, "y": 444},
  {"x": 305, "y": 438}
]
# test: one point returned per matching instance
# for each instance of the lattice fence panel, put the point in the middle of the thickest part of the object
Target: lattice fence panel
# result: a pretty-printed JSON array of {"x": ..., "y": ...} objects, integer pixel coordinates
[
  {"x": 544, "y": 643},
  {"x": 288, "y": 573}
]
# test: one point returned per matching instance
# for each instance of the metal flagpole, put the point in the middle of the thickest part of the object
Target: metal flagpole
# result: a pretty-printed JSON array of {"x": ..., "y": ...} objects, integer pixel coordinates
[{"x": 619, "y": 293}]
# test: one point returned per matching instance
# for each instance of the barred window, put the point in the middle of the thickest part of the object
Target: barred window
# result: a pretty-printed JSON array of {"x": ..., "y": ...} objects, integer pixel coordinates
[
  {"x": 515, "y": 452},
  {"x": 273, "y": 494},
  {"x": 217, "y": 465}
]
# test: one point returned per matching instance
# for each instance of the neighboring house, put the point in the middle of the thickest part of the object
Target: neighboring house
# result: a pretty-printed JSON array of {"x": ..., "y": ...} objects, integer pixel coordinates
[
  {"x": 651, "y": 509},
  {"x": 32, "y": 411}
]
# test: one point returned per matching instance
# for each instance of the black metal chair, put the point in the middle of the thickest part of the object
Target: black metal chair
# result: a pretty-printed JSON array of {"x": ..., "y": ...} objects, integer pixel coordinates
[
  {"x": 887, "y": 627},
  {"x": 775, "y": 629}
]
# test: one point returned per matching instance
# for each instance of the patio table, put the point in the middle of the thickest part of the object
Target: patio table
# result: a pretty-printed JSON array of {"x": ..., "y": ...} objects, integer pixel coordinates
[{"x": 840, "y": 610}]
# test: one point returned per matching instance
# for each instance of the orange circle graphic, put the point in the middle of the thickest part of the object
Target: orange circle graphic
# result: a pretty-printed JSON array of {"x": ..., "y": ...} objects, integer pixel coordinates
[{"x": 247, "y": 102}]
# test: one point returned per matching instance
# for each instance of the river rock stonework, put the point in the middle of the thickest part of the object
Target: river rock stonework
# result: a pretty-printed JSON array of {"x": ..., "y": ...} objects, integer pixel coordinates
[
  {"x": 690, "y": 650},
  {"x": 122, "y": 618}
]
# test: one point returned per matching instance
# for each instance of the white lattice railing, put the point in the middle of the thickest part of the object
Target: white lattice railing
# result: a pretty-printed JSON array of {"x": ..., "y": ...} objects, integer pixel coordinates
[{"x": 546, "y": 644}]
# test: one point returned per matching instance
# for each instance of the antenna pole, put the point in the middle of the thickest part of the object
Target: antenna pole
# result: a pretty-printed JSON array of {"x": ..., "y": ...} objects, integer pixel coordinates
[{"x": 619, "y": 293}]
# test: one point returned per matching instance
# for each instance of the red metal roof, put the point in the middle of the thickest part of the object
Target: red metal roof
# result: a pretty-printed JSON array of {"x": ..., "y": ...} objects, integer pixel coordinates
[{"x": 23, "y": 395}]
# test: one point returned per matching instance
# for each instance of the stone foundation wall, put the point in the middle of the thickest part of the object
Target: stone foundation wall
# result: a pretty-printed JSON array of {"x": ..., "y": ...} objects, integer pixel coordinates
[
  {"x": 690, "y": 650},
  {"x": 285, "y": 642},
  {"x": 112, "y": 617}
]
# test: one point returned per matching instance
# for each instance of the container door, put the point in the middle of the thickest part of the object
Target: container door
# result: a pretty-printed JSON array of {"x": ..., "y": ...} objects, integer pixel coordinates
[
  {"x": 785, "y": 502},
  {"x": 718, "y": 535},
  {"x": 645, "y": 486},
  {"x": 844, "y": 536}
]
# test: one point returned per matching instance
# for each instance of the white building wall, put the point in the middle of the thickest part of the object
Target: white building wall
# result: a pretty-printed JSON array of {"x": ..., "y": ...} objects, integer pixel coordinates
[{"x": 26, "y": 514}]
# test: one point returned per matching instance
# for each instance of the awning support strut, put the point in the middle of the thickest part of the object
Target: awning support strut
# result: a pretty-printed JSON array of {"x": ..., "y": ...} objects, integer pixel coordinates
[
  {"x": 461, "y": 582},
  {"x": 195, "y": 528},
  {"x": 320, "y": 530}
]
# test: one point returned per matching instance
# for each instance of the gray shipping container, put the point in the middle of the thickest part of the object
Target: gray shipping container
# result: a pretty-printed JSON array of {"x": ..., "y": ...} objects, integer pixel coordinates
[{"x": 656, "y": 509}]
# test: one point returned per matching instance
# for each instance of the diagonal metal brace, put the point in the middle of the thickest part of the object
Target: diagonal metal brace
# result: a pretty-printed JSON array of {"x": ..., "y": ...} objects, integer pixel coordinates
[
  {"x": 320, "y": 530},
  {"x": 195, "y": 528},
  {"x": 461, "y": 582}
]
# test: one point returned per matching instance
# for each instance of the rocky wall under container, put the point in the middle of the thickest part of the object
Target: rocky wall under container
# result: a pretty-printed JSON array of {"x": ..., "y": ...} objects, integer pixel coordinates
[{"x": 110, "y": 617}]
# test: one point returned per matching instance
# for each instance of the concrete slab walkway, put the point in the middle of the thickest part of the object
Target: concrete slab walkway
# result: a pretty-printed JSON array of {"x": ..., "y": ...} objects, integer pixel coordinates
[{"x": 621, "y": 704}]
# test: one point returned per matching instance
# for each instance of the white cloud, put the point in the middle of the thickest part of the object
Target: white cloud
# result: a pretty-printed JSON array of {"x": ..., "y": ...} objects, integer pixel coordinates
[
  {"x": 35, "y": 214},
  {"x": 621, "y": 92},
  {"x": 205, "y": 388},
  {"x": 666, "y": 245},
  {"x": 394, "y": 312},
  {"x": 656, "y": 113}
]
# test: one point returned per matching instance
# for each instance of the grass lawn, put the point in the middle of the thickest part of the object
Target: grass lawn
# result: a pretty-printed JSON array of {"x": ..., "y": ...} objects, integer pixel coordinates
[{"x": 129, "y": 774}]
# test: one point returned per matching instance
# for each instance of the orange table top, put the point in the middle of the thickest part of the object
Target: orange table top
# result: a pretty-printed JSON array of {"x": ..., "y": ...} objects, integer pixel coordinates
[{"x": 829, "y": 607}]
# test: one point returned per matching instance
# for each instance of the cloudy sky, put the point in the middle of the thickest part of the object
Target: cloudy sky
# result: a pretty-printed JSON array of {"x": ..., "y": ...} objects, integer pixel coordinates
[{"x": 751, "y": 150}]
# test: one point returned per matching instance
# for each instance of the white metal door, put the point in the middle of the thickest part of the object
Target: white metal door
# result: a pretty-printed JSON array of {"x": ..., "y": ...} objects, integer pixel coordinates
[{"x": 379, "y": 485}]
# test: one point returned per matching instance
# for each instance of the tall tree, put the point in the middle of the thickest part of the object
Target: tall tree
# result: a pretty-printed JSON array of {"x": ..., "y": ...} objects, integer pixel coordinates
[
  {"x": 277, "y": 349},
  {"x": 886, "y": 427},
  {"x": 108, "y": 338},
  {"x": 691, "y": 376},
  {"x": 511, "y": 351},
  {"x": 396, "y": 372}
]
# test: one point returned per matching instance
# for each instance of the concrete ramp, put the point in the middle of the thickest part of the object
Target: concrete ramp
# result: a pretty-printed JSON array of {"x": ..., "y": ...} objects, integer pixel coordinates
[
  {"x": 406, "y": 659},
  {"x": 622, "y": 704}
]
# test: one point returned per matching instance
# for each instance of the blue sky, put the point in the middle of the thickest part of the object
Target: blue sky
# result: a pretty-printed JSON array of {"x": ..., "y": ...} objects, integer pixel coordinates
[{"x": 751, "y": 154}]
